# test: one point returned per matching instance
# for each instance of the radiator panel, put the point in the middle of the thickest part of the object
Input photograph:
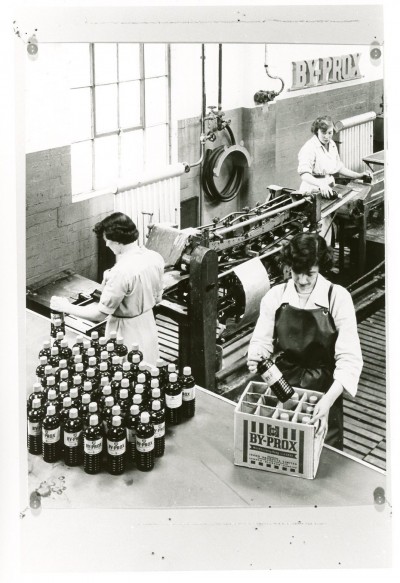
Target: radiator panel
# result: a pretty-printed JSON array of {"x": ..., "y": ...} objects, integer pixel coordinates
[{"x": 355, "y": 143}]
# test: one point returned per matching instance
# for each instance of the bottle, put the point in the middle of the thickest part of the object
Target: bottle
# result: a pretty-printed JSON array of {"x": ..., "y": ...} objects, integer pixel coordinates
[
  {"x": 94, "y": 341},
  {"x": 78, "y": 343},
  {"x": 106, "y": 392},
  {"x": 35, "y": 418},
  {"x": 112, "y": 338},
  {"x": 64, "y": 415},
  {"x": 50, "y": 386},
  {"x": 162, "y": 372},
  {"x": 56, "y": 326},
  {"x": 93, "y": 410},
  {"x": 92, "y": 446},
  {"x": 284, "y": 416},
  {"x": 137, "y": 400},
  {"x": 92, "y": 380},
  {"x": 73, "y": 393},
  {"x": 127, "y": 372},
  {"x": 102, "y": 347},
  {"x": 139, "y": 391},
  {"x": 116, "y": 383},
  {"x": 78, "y": 383},
  {"x": 72, "y": 439},
  {"x": 107, "y": 412},
  {"x": 43, "y": 362},
  {"x": 64, "y": 378},
  {"x": 86, "y": 346},
  {"x": 313, "y": 399},
  {"x": 173, "y": 400},
  {"x": 306, "y": 419},
  {"x": 57, "y": 319},
  {"x": 72, "y": 361},
  {"x": 88, "y": 389},
  {"x": 48, "y": 372},
  {"x": 115, "y": 365},
  {"x": 110, "y": 351},
  {"x": 171, "y": 367},
  {"x": 158, "y": 421},
  {"x": 116, "y": 412},
  {"x": 134, "y": 351},
  {"x": 90, "y": 353},
  {"x": 275, "y": 380},
  {"x": 79, "y": 371},
  {"x": 188, "y": 393},
  {"x": 121, "y": 349},
  {"x": 156, "y": 396},
  {"x": 144, "y": 456},
  {"x": 131, "y": 426},
  {"x": 46, "y": 349},
  {"x": 54, "y": 357},
  {"x": 126, "y": 385},
  {"x": 105, "y": 371},
  {"x": 52, "y": 400},
  {"x": 37, "y": 393},
  {"x": 64, "y": 349},
  {"x": 83, "y": 408},
  {"x": 63, "y": 391},
  {"x": 51, "y": 447},
  {"x": 143, "y": 370},
  {"x": 309, "y": 410},
  {"x": 123, "y": 402},
  {"x": 135, "y": 365},
  {"x": 62, "y": 367},
  {"x": 59, "y": 337},
  {"x": 116, "y": 447}
]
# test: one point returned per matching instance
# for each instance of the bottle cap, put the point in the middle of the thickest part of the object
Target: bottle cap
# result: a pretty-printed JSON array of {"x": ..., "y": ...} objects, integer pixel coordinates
[
  {"x": 51, "y": 395},
  {"x": 93, "y": 420},
  {"x": 37, "y": 387},
  {"x": 79, "y": 367},
  {"x": 118, "y": 375},
  {"x": 141, "y": 378},
  {"x": 134, "y": 409},
  {"x": 64, "y": 374},
  {"x": 113, "y": 334},
  {"x": 63, "y": 387},
  {"x": 109, "y": 401},
  {"x": 104, "y": 381},
  {"x": 87, "y": 386},
  {"x": 77, "y": 359},
  {"x": 135, "y": 347},
  {"x": 63, "y": 363},
  {"x": 64, "y": 343},
  {"x": 48, "y": 370},
  {"x": 126, "y": 366},
  {"x": 90, "y": 372},
  {"x": 295, "y": 396},
  {"x": 155, "y": 373},
  {"x": 171, "y": 367},
  {"x": 123, "y": 393},
  {"x": 125, "y": 383},
  {"x": 94, "y": 335},
  {"x": 104, "y": 355},
  {"x": 75, "y": 351},
  {"x": 106, "y": 390},
  {"x": 139, "y": 389},
  {"x": 187, "y": 371},
  {"x": 284, "y": 416},
  {"x": 155, "y": 393},
  {"x": 67, "y": 402},
  {"x": 116, "y": 421},
  {"x": 116, "y": 410},
  {"x": 173, "y": 377},
  {"x": 36, "y": 403},
  {"x": 103, "y": 340},
  {"x": 79, "y": 339},
  {"x": 43, "y": 360},
  {"x": 73, "y": 413},
  {"x": 137, "y": 399},
  {"x": 116, "y": 359},
  {"x": 120, "y": 340},
  {"x": 60, "y": 335},
  {"x": 309, "y": 409},
  {"x": 86, "y": 345},
  {"x": 46, "y": 344},
  {"x": 155, "y": 383},
  {"x": 159, "y": 362},
  {"x": 93, "y": 407},
  {"x": 77, "y": 379},
  {"x": 142, "y": 366},
  {"x": 91, "y": 357},
  {"x": 50, "y": 381},
  {"x": 54, "y": 351},
  {"x": 110, "y": 347},
  {"x": 103, "y": 366},
  {"x": 306, "y": 419},
  {"x": 144, "y": 417},
  {"x": 156, "y": 405},
  {"x": 73, "y": 393},
  {"x": 313, "y": 399},
  {"x": 85, "y": 399},
  {"x": 136, "y": 359},
  {"x": 51, "y": 410}
]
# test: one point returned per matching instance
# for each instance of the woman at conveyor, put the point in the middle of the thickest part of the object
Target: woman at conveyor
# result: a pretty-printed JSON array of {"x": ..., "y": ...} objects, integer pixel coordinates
[
  {"x": 308, "y": 325},
  {"x": 130, "y": 289},
  {"x": 318, "y": 161}
]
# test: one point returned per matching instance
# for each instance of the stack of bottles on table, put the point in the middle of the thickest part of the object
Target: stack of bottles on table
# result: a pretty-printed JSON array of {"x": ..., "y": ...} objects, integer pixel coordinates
[{"x": 98, "y": 404}]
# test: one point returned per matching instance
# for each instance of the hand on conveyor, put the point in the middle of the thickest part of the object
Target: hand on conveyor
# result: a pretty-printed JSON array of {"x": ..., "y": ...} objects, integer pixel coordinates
[
  {"x": 325, "y": 189},
  {"x": 60, "y": 304}
]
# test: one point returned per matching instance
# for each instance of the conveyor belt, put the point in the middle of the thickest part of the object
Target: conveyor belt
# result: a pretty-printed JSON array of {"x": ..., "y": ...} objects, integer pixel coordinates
[{"x": 365, "y": 415}]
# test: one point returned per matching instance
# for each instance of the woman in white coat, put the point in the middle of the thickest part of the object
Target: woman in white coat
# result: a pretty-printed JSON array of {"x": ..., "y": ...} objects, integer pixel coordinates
[{"x": 130, "y": 289}]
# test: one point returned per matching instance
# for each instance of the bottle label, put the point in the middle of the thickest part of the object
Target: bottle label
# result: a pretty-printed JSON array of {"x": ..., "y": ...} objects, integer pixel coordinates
[
  {"x": 145, "y": 444},
  {"x": 189, "y": 393},
  {"x": 93, "y": 447},
  {"x": 272, "y": 375},
  {"x": 130, "y": 435},
  {"x": 51, "y": 435},
  {"x": 173, "y": 401},
  {"x": 159, "y": 430},
  {"x": 34, "y": 428},
  {"x": 72, "y": 439},
  {"x": 116, "y": 447}
]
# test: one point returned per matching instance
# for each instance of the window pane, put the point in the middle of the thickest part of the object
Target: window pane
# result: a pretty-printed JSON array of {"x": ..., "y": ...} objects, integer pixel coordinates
[
  {"x": 129, "y": 103},
  {"x": 81, "y": 167},
  {"x": 81, "y": 115},
  {"x": 129, "y": 61},
  {"x": 131, "y": 154},
  {"x": 105, "y": 63},
  {"x": 154, "y": 60},
  {"x": 106, "y": 109},
  {"x": 156, "y": 147},
  {"x": 79, "y": 64},
  {"x": 156, "y": 101},
  {"x": 106, "y": 161}
]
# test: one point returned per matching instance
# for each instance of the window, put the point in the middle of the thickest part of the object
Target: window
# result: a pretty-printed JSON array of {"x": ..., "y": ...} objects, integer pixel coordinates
[{"x": 120, "y": 112}]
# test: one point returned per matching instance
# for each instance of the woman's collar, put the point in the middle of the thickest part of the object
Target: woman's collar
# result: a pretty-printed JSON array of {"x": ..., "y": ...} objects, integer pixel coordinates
[{"x": 318, "y": 296}]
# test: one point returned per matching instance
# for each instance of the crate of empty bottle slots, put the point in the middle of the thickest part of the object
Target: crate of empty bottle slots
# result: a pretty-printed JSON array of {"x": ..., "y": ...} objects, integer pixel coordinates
[{"x": 275, "y": 436}]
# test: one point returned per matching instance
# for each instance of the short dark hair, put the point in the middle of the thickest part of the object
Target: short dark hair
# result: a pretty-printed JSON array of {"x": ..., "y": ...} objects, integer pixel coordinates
[
  {"x": 305, "y": 250},
  {"x": 322, "y": 123},
  {"x": 117, "y": 227}
]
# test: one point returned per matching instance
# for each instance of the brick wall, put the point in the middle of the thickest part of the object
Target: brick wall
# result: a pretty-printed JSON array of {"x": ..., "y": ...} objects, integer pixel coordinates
[
  {"x": 273, "y": 137},
  {"x": 58, "y": 232}
]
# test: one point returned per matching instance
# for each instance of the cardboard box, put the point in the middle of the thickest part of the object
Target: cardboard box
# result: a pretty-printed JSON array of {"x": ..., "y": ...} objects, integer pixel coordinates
[{"x": 263, "y": 441}]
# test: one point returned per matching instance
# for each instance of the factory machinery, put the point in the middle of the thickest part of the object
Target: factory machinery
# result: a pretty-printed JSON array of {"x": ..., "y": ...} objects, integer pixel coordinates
[{"x": 217, "y": 274}]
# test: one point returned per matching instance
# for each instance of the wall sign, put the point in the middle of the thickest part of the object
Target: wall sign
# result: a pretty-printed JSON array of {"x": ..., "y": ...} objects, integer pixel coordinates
[{"x": 325, "y": 70}]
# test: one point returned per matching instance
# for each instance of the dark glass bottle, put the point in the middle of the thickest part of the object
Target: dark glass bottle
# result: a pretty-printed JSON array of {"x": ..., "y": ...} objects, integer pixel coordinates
[
  {"x": 102, "y": 347},
  {"x": 73, "y": 439},
  {"x": 50, "y": 386},
  {"x": 37, "y": 393},
  {"x": 65, "y": 351},
  {"x": 93, "y": 446},
  {"x": 83, "y": 408},
  {"x": 105, "y": 392},
  {"x": 51, "y": 445},
  {"x": 116, "y": 383},
  {"x": 48, "y": 372},
  {"x": 54, "y": 357},
  {"x": 94, "y": 341},
  {"x": 63, "y": 391},
  {"x": 89, "y": 354},
  {"x": 46, "y": 349},
  {"x": 65, "y": 378},
  {"x": 43, "y": 362},
  {"x": 64, "y": 415},
  {"x": 173, "y": 400},
  {"x": 141, "y": 380},
  {"x": 115, "y": 365},
  {"x": 135, "y": 361},
  {"x": 78, "y": 343},
  {"x": 104, "y": 371},
  {"x": 116, "y": 447},
  {"x": 52, "y": 399},
  {"x": 107, "y": 412},
  {"x": 93, "y": 380},
  {"x": 144, "y": 443},
  {"x": 123, "y": 402},
  {"x": 156, "y": 396},
  {"x": 62, "y": 367},
  {"x": 144, "y": 370},
  {"x": 56, "y": 326},
  {"x": 162, "y": 372},
  {"x": 110, "y": 351},
  {"x": 120, "y": 348},
  {"x": 35, "y": 418},
  {"x": 78, "y": 383},
  {"x": 126, "y": 385},
  {"x": 188, "y": 393},
  {"x": 132, "y": 421},
  {"x": 127, "y": 372},
  {"x": 59, "y": 337},
  {"x": 112, "y": 337},
  {"x": 75, "y": 397},
  {"x": 138, "y": 400},
  {"x": 139, "y": 391},
  {"x": 275, "y": 380},
  {"x": 58, "y": 319},
  {"x": 93, "y": 410},
  {"x": 134, "y": 351},
  {"x": 158, "y": 421}
]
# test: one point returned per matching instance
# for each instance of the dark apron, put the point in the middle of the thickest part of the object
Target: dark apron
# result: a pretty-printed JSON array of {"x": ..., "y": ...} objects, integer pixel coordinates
[{"x": 305, "y": 343}]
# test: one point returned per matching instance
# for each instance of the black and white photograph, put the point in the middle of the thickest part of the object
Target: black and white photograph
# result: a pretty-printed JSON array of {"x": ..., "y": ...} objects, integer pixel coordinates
[{"x": 199, "y": 278}]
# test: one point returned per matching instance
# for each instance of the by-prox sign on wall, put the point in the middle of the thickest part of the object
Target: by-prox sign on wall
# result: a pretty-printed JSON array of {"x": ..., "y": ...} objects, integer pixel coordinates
[{"x": 314, "y": 72}]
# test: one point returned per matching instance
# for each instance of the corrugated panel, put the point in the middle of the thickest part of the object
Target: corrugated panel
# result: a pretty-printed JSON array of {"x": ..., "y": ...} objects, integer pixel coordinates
[{"x": 355, "y": 143}]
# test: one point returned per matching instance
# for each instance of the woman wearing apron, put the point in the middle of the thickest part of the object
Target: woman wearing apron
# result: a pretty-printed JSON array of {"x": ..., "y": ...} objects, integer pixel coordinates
[
  {"x": 130, "y": 289},
  {"x": 318, "y": 161},
  {"x": 309, "y": 326}
]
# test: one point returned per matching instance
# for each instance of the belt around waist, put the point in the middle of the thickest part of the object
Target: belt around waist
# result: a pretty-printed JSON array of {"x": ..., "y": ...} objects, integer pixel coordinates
[{"x": 131, "y": 317}]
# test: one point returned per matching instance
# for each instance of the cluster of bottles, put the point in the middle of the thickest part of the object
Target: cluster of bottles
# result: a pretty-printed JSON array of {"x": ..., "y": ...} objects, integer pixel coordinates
[{"x": 97, "y": 404}]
